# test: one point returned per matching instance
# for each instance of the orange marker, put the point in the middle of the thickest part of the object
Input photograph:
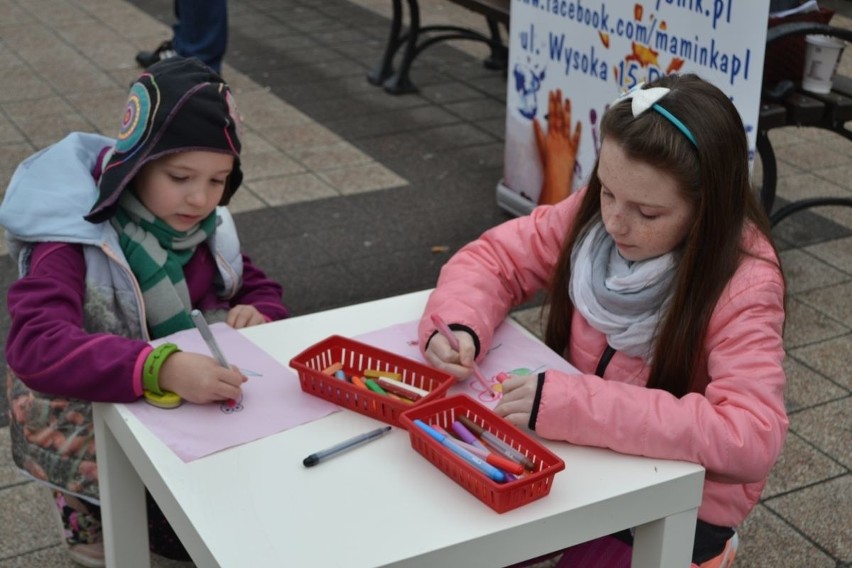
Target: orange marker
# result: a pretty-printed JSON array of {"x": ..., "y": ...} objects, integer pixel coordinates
[{"x": 333, "y": 368}]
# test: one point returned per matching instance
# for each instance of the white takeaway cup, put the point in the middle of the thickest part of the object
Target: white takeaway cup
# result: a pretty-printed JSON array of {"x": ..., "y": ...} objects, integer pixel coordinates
[{"x": 821, "y": 58}]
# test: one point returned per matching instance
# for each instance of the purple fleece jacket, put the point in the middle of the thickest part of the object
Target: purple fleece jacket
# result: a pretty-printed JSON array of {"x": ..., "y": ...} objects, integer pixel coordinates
[{"x": 50, "y": 350}]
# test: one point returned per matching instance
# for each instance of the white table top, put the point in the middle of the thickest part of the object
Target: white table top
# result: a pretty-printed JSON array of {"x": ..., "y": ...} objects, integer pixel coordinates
[{"x": 382, "y": 504}]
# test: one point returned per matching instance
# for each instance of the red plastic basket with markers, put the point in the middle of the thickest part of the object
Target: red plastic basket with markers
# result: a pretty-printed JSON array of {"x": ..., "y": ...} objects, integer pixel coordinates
[
  {"x": 533, "y": 484},
  {"x": 353, "y": 358}
]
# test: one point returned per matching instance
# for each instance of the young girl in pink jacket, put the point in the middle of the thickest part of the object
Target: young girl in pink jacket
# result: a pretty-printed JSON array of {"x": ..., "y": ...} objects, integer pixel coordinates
[{"x": 664, "y": 290}]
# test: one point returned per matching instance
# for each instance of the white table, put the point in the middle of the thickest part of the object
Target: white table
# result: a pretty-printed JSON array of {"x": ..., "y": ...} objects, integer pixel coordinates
[{"x": 379, "y": 505}]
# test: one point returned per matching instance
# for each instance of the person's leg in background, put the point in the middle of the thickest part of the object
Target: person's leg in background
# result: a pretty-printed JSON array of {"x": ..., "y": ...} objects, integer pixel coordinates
[{"x": 201, "y": 30}]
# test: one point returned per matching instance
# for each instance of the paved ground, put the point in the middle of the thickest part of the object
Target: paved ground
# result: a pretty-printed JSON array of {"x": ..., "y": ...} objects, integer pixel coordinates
[{"x": 348, "y": 190}]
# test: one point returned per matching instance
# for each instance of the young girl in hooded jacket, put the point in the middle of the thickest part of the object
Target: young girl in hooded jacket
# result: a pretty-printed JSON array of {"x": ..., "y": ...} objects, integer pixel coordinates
[
  {"x": 117, "y": 240},
  {"x": 664, "y": 290}
]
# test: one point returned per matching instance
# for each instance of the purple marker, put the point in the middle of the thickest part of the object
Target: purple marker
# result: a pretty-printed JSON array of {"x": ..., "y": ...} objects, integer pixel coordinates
[{"x": 467, "y": 435}]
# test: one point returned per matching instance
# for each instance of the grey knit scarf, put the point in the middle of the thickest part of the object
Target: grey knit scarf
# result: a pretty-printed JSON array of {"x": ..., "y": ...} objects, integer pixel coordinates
[{"x": 620, "y": 298}]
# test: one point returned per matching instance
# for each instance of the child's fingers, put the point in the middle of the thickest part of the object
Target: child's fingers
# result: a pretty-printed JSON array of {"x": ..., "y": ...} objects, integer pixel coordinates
[
  {"x": 566, "y": 113},
  {"x": 577, "y": 131},
  {"x": 554, "y": 102},
  {"x": 519, "y": 419},
  {"x": 225, "y": 386},
  {"x": 448, "y": 366},
  {"x": 440, "y": 347},
  {"x": 242, "y": 315},
  {"x": 458, "y": 363},
  {"x": 229, "y": 392},
  {"x": 556, "y": 117},
  {"x": 515, "y": 411},
  {"x": 467, "y": 354},
  {"x": 517, "y": 401},
  {"x": 243, "y": 378},
  {"x": 539, "y": 138},
  {"x": 237, "y": 317},
  {"x": 234, "y": 377},
  {"x": 518, "y": 387}
]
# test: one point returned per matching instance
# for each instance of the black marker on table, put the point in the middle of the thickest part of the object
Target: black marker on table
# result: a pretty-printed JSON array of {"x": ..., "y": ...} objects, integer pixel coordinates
[{"x": 322, "y": 455}]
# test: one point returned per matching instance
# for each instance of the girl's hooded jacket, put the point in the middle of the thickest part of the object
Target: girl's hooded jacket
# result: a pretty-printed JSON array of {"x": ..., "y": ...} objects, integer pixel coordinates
[
  {"x": 735, "y": 428},
  {"x": 78, "y": 330}
]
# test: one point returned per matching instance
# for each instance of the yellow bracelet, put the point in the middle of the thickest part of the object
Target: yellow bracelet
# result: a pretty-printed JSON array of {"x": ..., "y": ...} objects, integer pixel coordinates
[{"x": 153, "y": 363}]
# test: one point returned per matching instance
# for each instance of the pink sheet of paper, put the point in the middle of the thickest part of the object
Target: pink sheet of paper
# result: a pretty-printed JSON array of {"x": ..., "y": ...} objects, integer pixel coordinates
[
  {"x": 512, "y": 351},
  {"x": 272, "y": 401}
]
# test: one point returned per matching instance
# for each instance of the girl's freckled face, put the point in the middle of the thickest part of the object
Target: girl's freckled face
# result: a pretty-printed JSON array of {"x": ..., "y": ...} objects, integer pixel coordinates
[{"x": 642, "y": 207}]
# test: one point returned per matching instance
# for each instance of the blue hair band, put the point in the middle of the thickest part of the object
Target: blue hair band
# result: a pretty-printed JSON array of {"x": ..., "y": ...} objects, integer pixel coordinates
[{"x": 676, "y": 121}]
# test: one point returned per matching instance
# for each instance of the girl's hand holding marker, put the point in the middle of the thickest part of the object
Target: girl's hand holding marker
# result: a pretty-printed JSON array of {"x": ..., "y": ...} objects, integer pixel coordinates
[{"x": 455, "y": 353}]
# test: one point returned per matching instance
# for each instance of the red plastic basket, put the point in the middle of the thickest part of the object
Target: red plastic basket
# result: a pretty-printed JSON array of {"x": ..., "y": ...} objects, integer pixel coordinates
[
  {"x": 501, "y": 497},
  {"x": 357, "y": 357}
]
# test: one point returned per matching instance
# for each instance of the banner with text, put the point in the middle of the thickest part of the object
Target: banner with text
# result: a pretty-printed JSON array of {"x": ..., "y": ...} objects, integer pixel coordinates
[{"x": 593, "y": 51}]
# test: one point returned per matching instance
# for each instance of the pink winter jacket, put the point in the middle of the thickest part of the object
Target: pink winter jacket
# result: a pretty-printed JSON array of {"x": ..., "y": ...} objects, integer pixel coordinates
[{"x": 735, "y": 429}]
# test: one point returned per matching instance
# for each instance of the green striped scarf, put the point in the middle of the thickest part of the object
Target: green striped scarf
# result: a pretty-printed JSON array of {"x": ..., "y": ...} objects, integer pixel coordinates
[{"x": 157, "y": 254}]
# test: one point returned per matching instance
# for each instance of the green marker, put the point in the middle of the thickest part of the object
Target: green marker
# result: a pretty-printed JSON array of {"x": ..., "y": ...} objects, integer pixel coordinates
[{"x": 374, "y": 386}]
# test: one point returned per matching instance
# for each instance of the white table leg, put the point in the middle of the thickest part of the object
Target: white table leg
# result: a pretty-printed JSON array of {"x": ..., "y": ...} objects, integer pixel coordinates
[
  {"x": 665, "y": 543},
  {"x": 122, "y": 493}
]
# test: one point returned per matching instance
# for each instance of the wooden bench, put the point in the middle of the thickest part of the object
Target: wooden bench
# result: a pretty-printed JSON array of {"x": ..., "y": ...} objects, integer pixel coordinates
[
  {"x": 413, "y": 38},
  {"x": 792, "y": 106}
]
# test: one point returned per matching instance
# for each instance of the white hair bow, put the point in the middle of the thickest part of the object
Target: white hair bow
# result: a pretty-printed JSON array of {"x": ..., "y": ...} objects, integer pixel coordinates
[{"x": 643, "y": 99}]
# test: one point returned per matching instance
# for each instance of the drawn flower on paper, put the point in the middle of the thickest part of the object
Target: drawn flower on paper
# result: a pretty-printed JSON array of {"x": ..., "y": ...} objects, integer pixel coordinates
[
  {"x": 232, "y": 406},
  {"x": 497, "y": 385}
]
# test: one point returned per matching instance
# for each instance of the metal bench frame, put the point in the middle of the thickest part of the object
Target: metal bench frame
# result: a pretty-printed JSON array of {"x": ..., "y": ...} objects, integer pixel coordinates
[
  {"x": 415, "y": 38},
  {"x": 800, "y": 108}
]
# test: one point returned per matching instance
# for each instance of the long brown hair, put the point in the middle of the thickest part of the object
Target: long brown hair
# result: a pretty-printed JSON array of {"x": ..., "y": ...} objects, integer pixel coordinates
[{"x": 715, "y": 176}]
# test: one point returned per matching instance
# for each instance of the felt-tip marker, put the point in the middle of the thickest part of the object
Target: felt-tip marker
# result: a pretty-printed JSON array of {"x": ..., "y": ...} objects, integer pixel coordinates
[
  {"x": 204, "y": 330},
  {"x": 445, "y": 330},
  {"x": 207, "y": 335},
  {"x": 506, "y": 465},
  {"x": 322, "y": 455},
  {"x": 466, "y": 435},
  {"x": 498, "y": 444},
  {"x": 477, "y": 462}
]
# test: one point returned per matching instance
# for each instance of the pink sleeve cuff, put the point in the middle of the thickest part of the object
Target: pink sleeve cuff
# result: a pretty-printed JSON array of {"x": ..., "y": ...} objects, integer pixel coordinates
[{"x": 137, "y": 370}]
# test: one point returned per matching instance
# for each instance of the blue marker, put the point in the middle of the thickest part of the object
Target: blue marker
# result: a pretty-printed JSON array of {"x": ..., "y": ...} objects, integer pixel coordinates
[{"x": 486, "y": 468}]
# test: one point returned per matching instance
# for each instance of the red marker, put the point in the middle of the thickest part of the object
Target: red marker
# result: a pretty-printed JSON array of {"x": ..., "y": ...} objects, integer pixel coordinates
[{"x": 501, "y": 463}]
